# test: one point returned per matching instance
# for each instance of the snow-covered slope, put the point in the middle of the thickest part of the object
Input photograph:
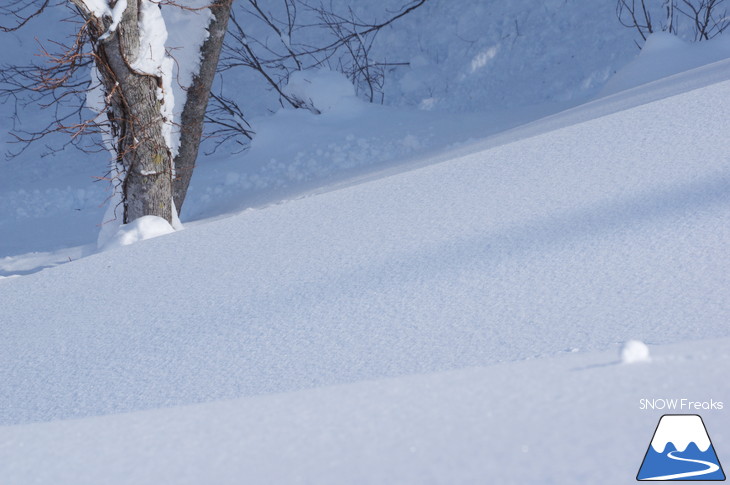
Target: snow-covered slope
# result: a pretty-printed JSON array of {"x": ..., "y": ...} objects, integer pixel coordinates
[
  {"x": 579, "y": 238},
  {"x": 572, "y": 240},
  {"x": 381, "y": 294}
]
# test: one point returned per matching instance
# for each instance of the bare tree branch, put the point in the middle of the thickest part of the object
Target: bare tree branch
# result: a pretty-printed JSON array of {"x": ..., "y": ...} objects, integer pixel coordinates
[{"x": 707, "y": 18}]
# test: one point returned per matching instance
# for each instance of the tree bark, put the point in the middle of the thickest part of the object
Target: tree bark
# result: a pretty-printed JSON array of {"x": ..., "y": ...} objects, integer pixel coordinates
[
  {"x": 135, "y": 117},
  {"x": 193, "y": 114}
]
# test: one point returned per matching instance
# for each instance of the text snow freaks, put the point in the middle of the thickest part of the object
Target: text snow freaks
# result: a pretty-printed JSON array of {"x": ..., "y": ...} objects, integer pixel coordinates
[{"x": 679, "y": 404}]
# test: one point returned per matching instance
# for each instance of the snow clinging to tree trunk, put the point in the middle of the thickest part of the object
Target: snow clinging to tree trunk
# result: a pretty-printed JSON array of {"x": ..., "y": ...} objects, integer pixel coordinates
[
  {"x": 153, "y": 59},
  {"x": 187, "y": 30}
]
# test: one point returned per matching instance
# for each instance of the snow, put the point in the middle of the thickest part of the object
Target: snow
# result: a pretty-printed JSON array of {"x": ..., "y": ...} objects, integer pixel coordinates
[
  {"x": 427, "y": 270},
  {"x": 551, "y": 420},
  {"x": 487, "y": 56},
  {"x": 321, "y": 88},
  {"x": 664, "y": 55},
  {"x": 387, "y": 294},
  {"x": 113, "y": 216},
  {"x": 635, "y": 351},
  {"x": 187, "y": 31},
  {"x": 153, "y": 59},
  {"x": 116, "y": 14},
  {"x": 153, "y": 34},
  {"x": 100, "y": 8},
  {"x": 140, "y": 229},
  {"x": 526, "y": 80}
]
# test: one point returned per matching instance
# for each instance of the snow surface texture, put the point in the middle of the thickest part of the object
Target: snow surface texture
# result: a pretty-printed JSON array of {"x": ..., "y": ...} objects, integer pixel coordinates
[
  {"x": 570, "y": 420},
  {"x": 524, "y": 250}
]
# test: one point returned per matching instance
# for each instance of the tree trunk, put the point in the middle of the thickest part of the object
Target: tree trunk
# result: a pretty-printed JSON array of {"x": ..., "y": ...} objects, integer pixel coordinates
[
  {"x": 135, "y": 117},
  {"x": 193, "y": 115}
]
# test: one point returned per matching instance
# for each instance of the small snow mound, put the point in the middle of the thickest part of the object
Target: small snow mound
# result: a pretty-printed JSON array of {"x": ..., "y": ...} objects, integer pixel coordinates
[
  {"x": 140, "y": 229},
  {"x": 662, "y": 42},
  {"x": 321, "y": 89},
  {"x": 635, "y": 351}
]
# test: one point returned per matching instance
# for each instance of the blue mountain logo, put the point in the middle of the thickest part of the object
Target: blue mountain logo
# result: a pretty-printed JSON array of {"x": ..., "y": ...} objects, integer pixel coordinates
[{"x": 681, "y": 450}]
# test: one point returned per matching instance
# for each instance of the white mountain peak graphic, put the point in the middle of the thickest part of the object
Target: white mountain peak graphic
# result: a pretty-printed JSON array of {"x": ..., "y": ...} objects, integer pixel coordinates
[{"x": 680, "y": 430}]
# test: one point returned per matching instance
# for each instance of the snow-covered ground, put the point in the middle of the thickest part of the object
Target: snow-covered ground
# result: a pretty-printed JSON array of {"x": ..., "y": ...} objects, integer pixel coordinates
[
  {"x": 572, "y": 419},
  {"x": 389, "y": 295}
]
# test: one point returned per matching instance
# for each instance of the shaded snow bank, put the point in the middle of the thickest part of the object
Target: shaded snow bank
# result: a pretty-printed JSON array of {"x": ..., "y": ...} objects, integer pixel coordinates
[
  {"x": 664, "y": 55},
  {"x": 337, "y": 138}
]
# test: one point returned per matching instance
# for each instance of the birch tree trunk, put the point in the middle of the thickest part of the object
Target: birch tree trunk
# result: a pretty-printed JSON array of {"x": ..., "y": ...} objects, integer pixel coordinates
[{"x": 134, "y": 113}]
